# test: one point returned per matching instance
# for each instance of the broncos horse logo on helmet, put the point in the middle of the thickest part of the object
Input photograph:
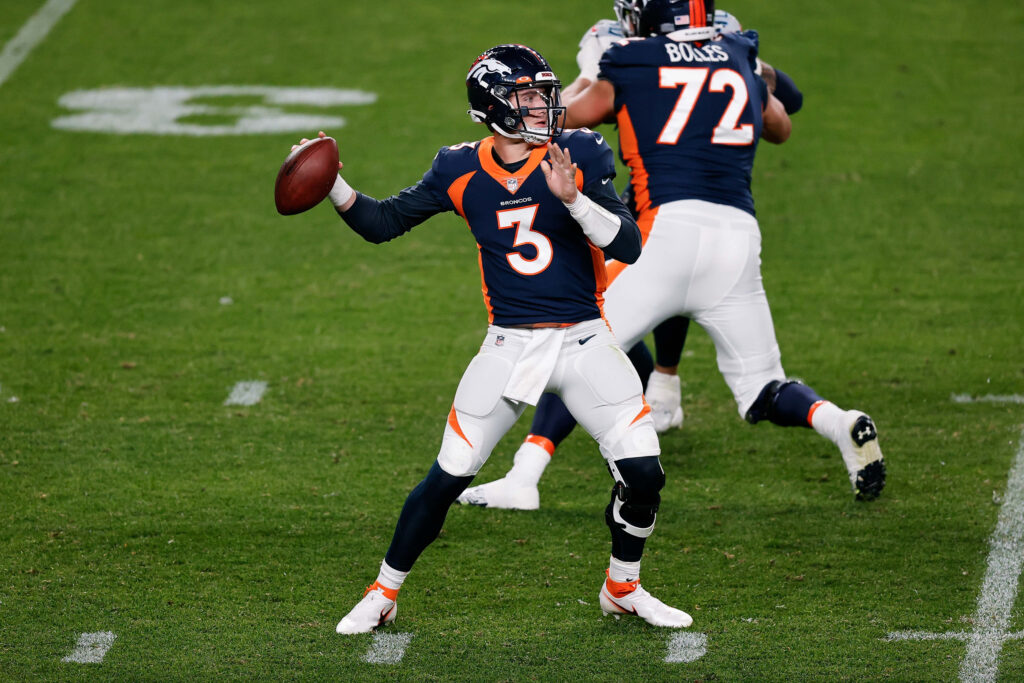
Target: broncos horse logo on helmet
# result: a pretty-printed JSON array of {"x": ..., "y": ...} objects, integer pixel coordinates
[
  {"x": 494, "y": 81},
  {"x": 689, "y": 19}
]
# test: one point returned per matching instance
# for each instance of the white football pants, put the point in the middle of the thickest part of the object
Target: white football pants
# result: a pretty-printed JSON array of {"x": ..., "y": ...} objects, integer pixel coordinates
[
  {"x": 703, "y": 260},
  {"x": 586, "y": 367}
]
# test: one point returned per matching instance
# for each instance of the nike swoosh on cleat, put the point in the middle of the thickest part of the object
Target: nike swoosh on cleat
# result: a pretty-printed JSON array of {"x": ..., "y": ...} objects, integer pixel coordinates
[{"x": 586, "y": 339}]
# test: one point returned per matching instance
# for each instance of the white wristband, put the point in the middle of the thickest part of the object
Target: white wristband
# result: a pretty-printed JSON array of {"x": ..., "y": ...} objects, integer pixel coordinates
[
  {"x": 599, "y": 225},
  {"x": 341, "y": 192}
]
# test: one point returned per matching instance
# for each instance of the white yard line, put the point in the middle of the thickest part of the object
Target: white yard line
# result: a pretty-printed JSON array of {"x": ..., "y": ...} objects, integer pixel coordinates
[
  {"x": 30, "y": 35},
  {"x": 998, "y": 589},
  {"x": 387, "y": 648},
  {"x": 91, "y": 648},
  {"x": 686, "y": 647},
  {"x": 987, "y": 398},
  {"x": 246, "y": 394}
]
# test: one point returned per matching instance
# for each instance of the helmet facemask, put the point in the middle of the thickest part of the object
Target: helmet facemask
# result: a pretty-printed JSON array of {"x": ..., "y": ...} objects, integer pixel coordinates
[
  {"x": 628, "y": 14},
  {"x": 524, "y": 104}
]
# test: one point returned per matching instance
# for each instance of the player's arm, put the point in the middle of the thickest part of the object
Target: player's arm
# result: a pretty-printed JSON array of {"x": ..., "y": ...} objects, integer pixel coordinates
[
  {"x": 591, "y": 106},
  {"x": 379, "y": 221},
  {"x": 782, "y": 86},
  {"x": 626, "y": 244},
  {"x": 777, "y": 125}
]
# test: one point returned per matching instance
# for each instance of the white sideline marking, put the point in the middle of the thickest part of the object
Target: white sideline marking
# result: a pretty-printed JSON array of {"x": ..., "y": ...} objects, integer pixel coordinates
[
  {"x": 91, "y": 648},
  {"x": 987, "y": 398},
  {"x": 686, "y": 647},
  {"x": 246, "y": 394},
  {"x": 387, "y": 648},
  {"x": 30, "y": 35},
  {"x": 998, "y": 589}
]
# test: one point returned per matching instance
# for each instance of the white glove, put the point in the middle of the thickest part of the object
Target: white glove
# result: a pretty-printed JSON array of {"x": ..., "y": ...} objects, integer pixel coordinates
[{"x": 594, "y": 42}]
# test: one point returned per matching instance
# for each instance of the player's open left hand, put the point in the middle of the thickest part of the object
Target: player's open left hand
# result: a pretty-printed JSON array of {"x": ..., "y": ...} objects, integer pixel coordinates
[{"x": 560, "y": 172}]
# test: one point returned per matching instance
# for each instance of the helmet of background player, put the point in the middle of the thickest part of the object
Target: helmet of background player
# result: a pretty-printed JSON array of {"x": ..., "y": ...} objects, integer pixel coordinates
[
  {"x": 494, "y": 82},
  {"x": 687, "y": 19},
  {"x": 628, "y": 14},
  {"x": 726, "y": 23}
]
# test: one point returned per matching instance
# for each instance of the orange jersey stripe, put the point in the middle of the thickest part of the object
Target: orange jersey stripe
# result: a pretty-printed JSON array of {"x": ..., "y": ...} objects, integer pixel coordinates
[
  {"x": 483, "y": 284},
  {"x": 457, "y": 189},
  {"x": 631, "y": 155}
]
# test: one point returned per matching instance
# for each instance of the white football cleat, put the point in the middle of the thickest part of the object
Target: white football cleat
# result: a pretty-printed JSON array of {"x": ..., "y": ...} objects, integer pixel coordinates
[
  {"x": 862, "y": 455},
  {"x": 375, "y": 609},
  {"x": 615, "y": 600},
  {"x": 504, "y": 494},
  {"x": 664, "y": 396}
]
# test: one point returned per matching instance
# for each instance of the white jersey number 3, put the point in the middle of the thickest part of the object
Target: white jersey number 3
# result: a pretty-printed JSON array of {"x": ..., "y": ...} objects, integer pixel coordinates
[
  {"x": 522, "y": 220},
  {"x": 728, "y": 131}
]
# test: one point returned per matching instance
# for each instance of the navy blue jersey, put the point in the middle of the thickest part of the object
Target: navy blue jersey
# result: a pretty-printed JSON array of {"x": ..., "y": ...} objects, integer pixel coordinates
[
  {"x": 689, "y": 117},
  {"x": 536, "y": 264}
]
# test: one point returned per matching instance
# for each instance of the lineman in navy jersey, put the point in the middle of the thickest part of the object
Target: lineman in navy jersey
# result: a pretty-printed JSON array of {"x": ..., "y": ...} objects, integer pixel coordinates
[
  {"x": 690, "y": 111},
  {"x": 545, "y": 216}
]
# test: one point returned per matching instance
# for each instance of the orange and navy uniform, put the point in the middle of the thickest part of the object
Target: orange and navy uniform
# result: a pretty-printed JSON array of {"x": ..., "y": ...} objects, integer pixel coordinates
[
  {"x": 689, "y": 115},
  {"x": 536, "y": 264}
]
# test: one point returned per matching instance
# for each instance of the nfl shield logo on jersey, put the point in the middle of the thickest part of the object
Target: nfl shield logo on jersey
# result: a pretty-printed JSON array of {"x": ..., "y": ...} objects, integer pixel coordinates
[{"x": 512, "y": 184}]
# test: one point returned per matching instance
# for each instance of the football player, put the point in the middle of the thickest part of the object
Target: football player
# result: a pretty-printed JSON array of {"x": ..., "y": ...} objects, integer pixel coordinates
[
  {"x": 660, "y": 374},
  {"x": 690, "y": 143},
  {"x": 541, "y": 205}
]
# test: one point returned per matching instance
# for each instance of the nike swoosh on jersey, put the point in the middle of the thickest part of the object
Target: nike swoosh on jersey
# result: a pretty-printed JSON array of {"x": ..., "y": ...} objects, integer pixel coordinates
[
  {"x": 599, "y": 139},
  {"x": 586, "y": 339},
  {"x": 604, "y": 181}
]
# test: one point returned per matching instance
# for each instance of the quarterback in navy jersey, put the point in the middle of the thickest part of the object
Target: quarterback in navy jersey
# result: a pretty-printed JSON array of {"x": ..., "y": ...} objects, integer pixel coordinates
[
  {"x": 690, "y": 110},
  {"x": 541, "y": 205}
]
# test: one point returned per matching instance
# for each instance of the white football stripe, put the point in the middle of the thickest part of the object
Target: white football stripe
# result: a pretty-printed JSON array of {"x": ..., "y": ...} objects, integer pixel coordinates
[
  {"x": 91, "y": 648},
  {"x": 686, "y": 647},
  {"x": 246, "y": 394},
  {"x": 999, "y": 588},
  {"x": 387, "y": 648},
  {"x": 30, "y": 35},
  {"x": 987, "y": 398}
]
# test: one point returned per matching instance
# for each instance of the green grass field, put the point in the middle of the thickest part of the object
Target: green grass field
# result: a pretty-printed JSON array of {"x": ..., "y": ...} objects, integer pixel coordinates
[{"x": 143, "y": 275}]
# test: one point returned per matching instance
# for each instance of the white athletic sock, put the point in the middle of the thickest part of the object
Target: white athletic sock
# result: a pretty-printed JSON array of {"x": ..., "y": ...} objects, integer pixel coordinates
[
  {"x": 828, "y": 419},
  {"x": 389, "y": 577},
  {"x": 529, "y": 463},
  {"x": 622, "y": 572}
]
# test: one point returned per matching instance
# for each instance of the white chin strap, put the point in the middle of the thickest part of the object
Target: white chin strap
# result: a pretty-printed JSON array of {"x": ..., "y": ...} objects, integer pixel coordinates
[{"x": 529, "y": 135}]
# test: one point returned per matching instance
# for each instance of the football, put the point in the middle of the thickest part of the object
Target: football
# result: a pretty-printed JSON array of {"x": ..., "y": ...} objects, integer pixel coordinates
[{"x": 306, "y": 176}]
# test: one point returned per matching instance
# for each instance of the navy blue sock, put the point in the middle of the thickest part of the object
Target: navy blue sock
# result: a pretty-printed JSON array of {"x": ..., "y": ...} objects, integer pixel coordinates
[
  {"x": 552, "y": 420},
  {"x": 792, "y": 404},
  {"x": 640, "y": 357},
  {"x": 669, "y": 339},
  {"x": 423, "y": 516}
]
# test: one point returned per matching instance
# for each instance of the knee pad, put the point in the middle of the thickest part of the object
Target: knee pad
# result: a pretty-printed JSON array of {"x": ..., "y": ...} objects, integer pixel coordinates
[{"x": 636, "y": 495}]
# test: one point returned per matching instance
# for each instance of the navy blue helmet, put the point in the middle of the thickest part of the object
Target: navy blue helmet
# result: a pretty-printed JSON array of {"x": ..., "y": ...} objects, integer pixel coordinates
[{"x": 494, "y": 82}]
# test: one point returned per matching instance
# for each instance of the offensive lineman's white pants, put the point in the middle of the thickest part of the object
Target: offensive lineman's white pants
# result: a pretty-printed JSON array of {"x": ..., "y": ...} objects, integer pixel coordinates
[
  {"x": 703, "y": 260},
  {"x": 586, "y": 367}
]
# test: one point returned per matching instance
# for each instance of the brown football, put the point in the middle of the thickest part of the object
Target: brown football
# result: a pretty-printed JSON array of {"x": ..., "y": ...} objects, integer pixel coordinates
[{"x": 306, "y": 176}]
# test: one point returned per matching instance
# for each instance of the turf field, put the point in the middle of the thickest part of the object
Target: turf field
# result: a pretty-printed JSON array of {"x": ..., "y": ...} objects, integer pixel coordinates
[{"x": 144, "y": 275}]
